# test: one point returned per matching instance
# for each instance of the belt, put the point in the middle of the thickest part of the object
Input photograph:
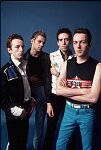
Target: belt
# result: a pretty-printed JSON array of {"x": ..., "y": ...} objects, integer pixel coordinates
[{"x": 80, "y": 106}]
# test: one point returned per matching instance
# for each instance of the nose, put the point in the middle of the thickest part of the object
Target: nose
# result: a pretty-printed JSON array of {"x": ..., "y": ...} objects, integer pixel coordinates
[
  {"x": 42, "y": 44},
  {"x": 64, "y": 41},
  {"x": 21, "y": 48},
  {"x": 78, "y": 44}
]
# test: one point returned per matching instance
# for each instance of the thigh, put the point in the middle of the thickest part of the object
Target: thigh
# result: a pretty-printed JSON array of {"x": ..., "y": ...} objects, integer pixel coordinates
[
  {"x": 67, "y": 127},
  {"x": 40, "y": 94},
  {"x": 86, "y": 122},
  {"x": 40, "y": 108},
  {"x": 17, "y": 131}
]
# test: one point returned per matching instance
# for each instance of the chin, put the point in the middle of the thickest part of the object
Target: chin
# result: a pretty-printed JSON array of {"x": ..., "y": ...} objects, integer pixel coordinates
[{"x": 64, "y": 49}]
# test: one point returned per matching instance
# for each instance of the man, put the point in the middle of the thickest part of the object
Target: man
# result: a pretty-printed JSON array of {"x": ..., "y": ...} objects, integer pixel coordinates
[
  {"x": 82, "y": 89},
  {"x": 16, "y": 99},
  {"x": 55, "y": 107},
  {"x": 38, "y": 70}
]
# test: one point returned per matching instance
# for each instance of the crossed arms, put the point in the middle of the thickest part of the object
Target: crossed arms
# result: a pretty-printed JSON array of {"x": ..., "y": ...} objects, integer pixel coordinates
[{"x": 84, "y": 95}]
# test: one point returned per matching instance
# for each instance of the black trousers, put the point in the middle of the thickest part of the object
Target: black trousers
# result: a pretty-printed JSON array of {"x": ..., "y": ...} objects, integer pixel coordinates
[
  {"x": 58, "y": 104},
  {"x": 18, "y": 128},
  {"x": 17, "y": 132}
]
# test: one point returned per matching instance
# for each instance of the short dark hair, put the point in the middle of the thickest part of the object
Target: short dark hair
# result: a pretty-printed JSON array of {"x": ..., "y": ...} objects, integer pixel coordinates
[
  {"x": 37, "y": 33},
  {"x": 85, "y": 31},
  {"x": 64, "y": 30},
  {"x": 12, "y": 37}
]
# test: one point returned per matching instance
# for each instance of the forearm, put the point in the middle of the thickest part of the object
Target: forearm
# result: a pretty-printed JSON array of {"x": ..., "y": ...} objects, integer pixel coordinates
[
  {"x": 66, "y": 91},
  {"x": 90, "y": 98},
  {"x": 82, "y": 99}
]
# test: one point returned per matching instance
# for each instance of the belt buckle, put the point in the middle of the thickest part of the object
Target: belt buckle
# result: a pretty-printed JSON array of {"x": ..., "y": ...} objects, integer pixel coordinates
[
  {"x": 76, "y": 106},
  {"x": 86, "y": 106}
]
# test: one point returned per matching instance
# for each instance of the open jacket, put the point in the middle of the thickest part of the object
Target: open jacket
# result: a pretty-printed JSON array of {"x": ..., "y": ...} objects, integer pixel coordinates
[
  {"x": 12, "y": 90},
  {"x": 45, "y": 62},
  {"x": 57, "y": 59}
]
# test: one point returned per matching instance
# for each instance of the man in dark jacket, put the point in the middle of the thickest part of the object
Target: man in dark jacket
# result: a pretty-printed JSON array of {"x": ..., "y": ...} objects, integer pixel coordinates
[
  {"x": 38, "y": 71},
  {"x": 16, "y": 99}
]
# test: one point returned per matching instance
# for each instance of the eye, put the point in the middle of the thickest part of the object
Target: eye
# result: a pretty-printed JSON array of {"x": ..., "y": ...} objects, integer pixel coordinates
[
  {"x": 60, "y": 40},
  {"x": 83, "y": 42},
  {"x": 17, "y": 46},
  {"x": 74, "y": 42},
  {"x": 66, "y": 39}
]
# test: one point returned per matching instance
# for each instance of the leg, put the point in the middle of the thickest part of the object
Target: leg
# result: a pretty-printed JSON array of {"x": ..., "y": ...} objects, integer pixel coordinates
[
  {"x": 86, "y": 120},
  {"x": 40, "y": 112},
  {"x": 58, "y": 104},
  {"x": 17, "y": 133},
  {"x": 67, "y": 127}
]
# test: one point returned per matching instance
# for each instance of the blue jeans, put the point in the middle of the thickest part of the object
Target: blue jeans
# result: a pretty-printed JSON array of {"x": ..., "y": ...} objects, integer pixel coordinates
[
  {"x": 72, "y": 116},
  {"x": 40, "y": 112}
]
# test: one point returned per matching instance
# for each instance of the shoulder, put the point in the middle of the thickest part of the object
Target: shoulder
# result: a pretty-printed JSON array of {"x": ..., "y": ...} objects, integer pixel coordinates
[
  {"x": 55, "y": 53},
  {"x": 26, "y": 54},
  {"x": 6, "y": 66},
  {"x": 98, "y": 71},
  {"x": 7, "y": 69},
  {"x": 44, "y": 54},
  {"x": 98, "y": 66},
  {"x": 93, "y": 60},
  {"x": 71, "y": 58}
]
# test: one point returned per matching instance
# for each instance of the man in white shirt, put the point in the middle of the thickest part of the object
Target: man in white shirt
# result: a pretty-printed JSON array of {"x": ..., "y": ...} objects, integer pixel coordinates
[{"x": 56, "y": 104}]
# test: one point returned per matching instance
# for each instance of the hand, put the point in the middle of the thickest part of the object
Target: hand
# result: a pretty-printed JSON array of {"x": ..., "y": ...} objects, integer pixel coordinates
[
  {"x": 16, "y": 111},
  {"x": 54, "y": 71},
  {"x": 24, "y": 114},
  {"x": 63, "y": 82},
  {"x": 50, "y": 111},
  {"x": 32, "y": 104}
]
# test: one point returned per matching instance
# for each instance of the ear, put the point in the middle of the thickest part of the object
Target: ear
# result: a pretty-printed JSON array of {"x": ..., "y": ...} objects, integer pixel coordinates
[
  {"x": 9, "y": 50},
  {"x": 57, "y": 43},
  {"x": 32, "y": 40}
]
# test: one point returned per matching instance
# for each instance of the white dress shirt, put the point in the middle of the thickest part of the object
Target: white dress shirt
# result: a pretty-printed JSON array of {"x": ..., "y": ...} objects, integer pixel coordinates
[{"x": 21, "y": 67}]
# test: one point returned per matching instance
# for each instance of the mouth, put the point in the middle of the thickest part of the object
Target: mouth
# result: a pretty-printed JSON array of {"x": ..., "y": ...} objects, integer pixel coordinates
[
  {"x": 64, "y": 47},
  {"x": 40, "y": 48},
  {"x": 79, "y": 51},
  {"x": 20, "y": 55}
]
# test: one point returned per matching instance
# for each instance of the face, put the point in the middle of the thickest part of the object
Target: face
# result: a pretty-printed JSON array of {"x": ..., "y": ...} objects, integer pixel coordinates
[
  {"x": 17, "y": 49},
  {"x": 63, "y": 41},
  {"x": 80, "y": 44},
  {"x": 38, "y": 43}
]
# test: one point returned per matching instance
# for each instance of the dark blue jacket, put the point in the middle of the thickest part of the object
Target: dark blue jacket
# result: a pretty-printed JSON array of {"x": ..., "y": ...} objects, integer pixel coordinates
[{"x": 12, "y": 90}]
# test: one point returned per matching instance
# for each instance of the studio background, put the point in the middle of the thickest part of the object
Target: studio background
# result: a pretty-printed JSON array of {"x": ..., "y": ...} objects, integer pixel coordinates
[{"x": 26, "y": 17}]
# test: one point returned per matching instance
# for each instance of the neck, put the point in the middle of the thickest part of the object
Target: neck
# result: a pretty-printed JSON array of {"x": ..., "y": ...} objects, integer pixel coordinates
[
  {"x": 65, "y": 53},
  {"x": 34, "y": 53},
  {"x": 81, "y": 60}
]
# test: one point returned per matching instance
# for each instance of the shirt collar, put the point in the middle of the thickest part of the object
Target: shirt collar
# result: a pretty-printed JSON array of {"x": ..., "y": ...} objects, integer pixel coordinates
[{"x": 17, "y": 62}]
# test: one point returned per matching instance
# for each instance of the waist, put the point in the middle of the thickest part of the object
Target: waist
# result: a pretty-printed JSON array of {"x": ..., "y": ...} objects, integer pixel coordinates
[{"x": 79, "y": 106}]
